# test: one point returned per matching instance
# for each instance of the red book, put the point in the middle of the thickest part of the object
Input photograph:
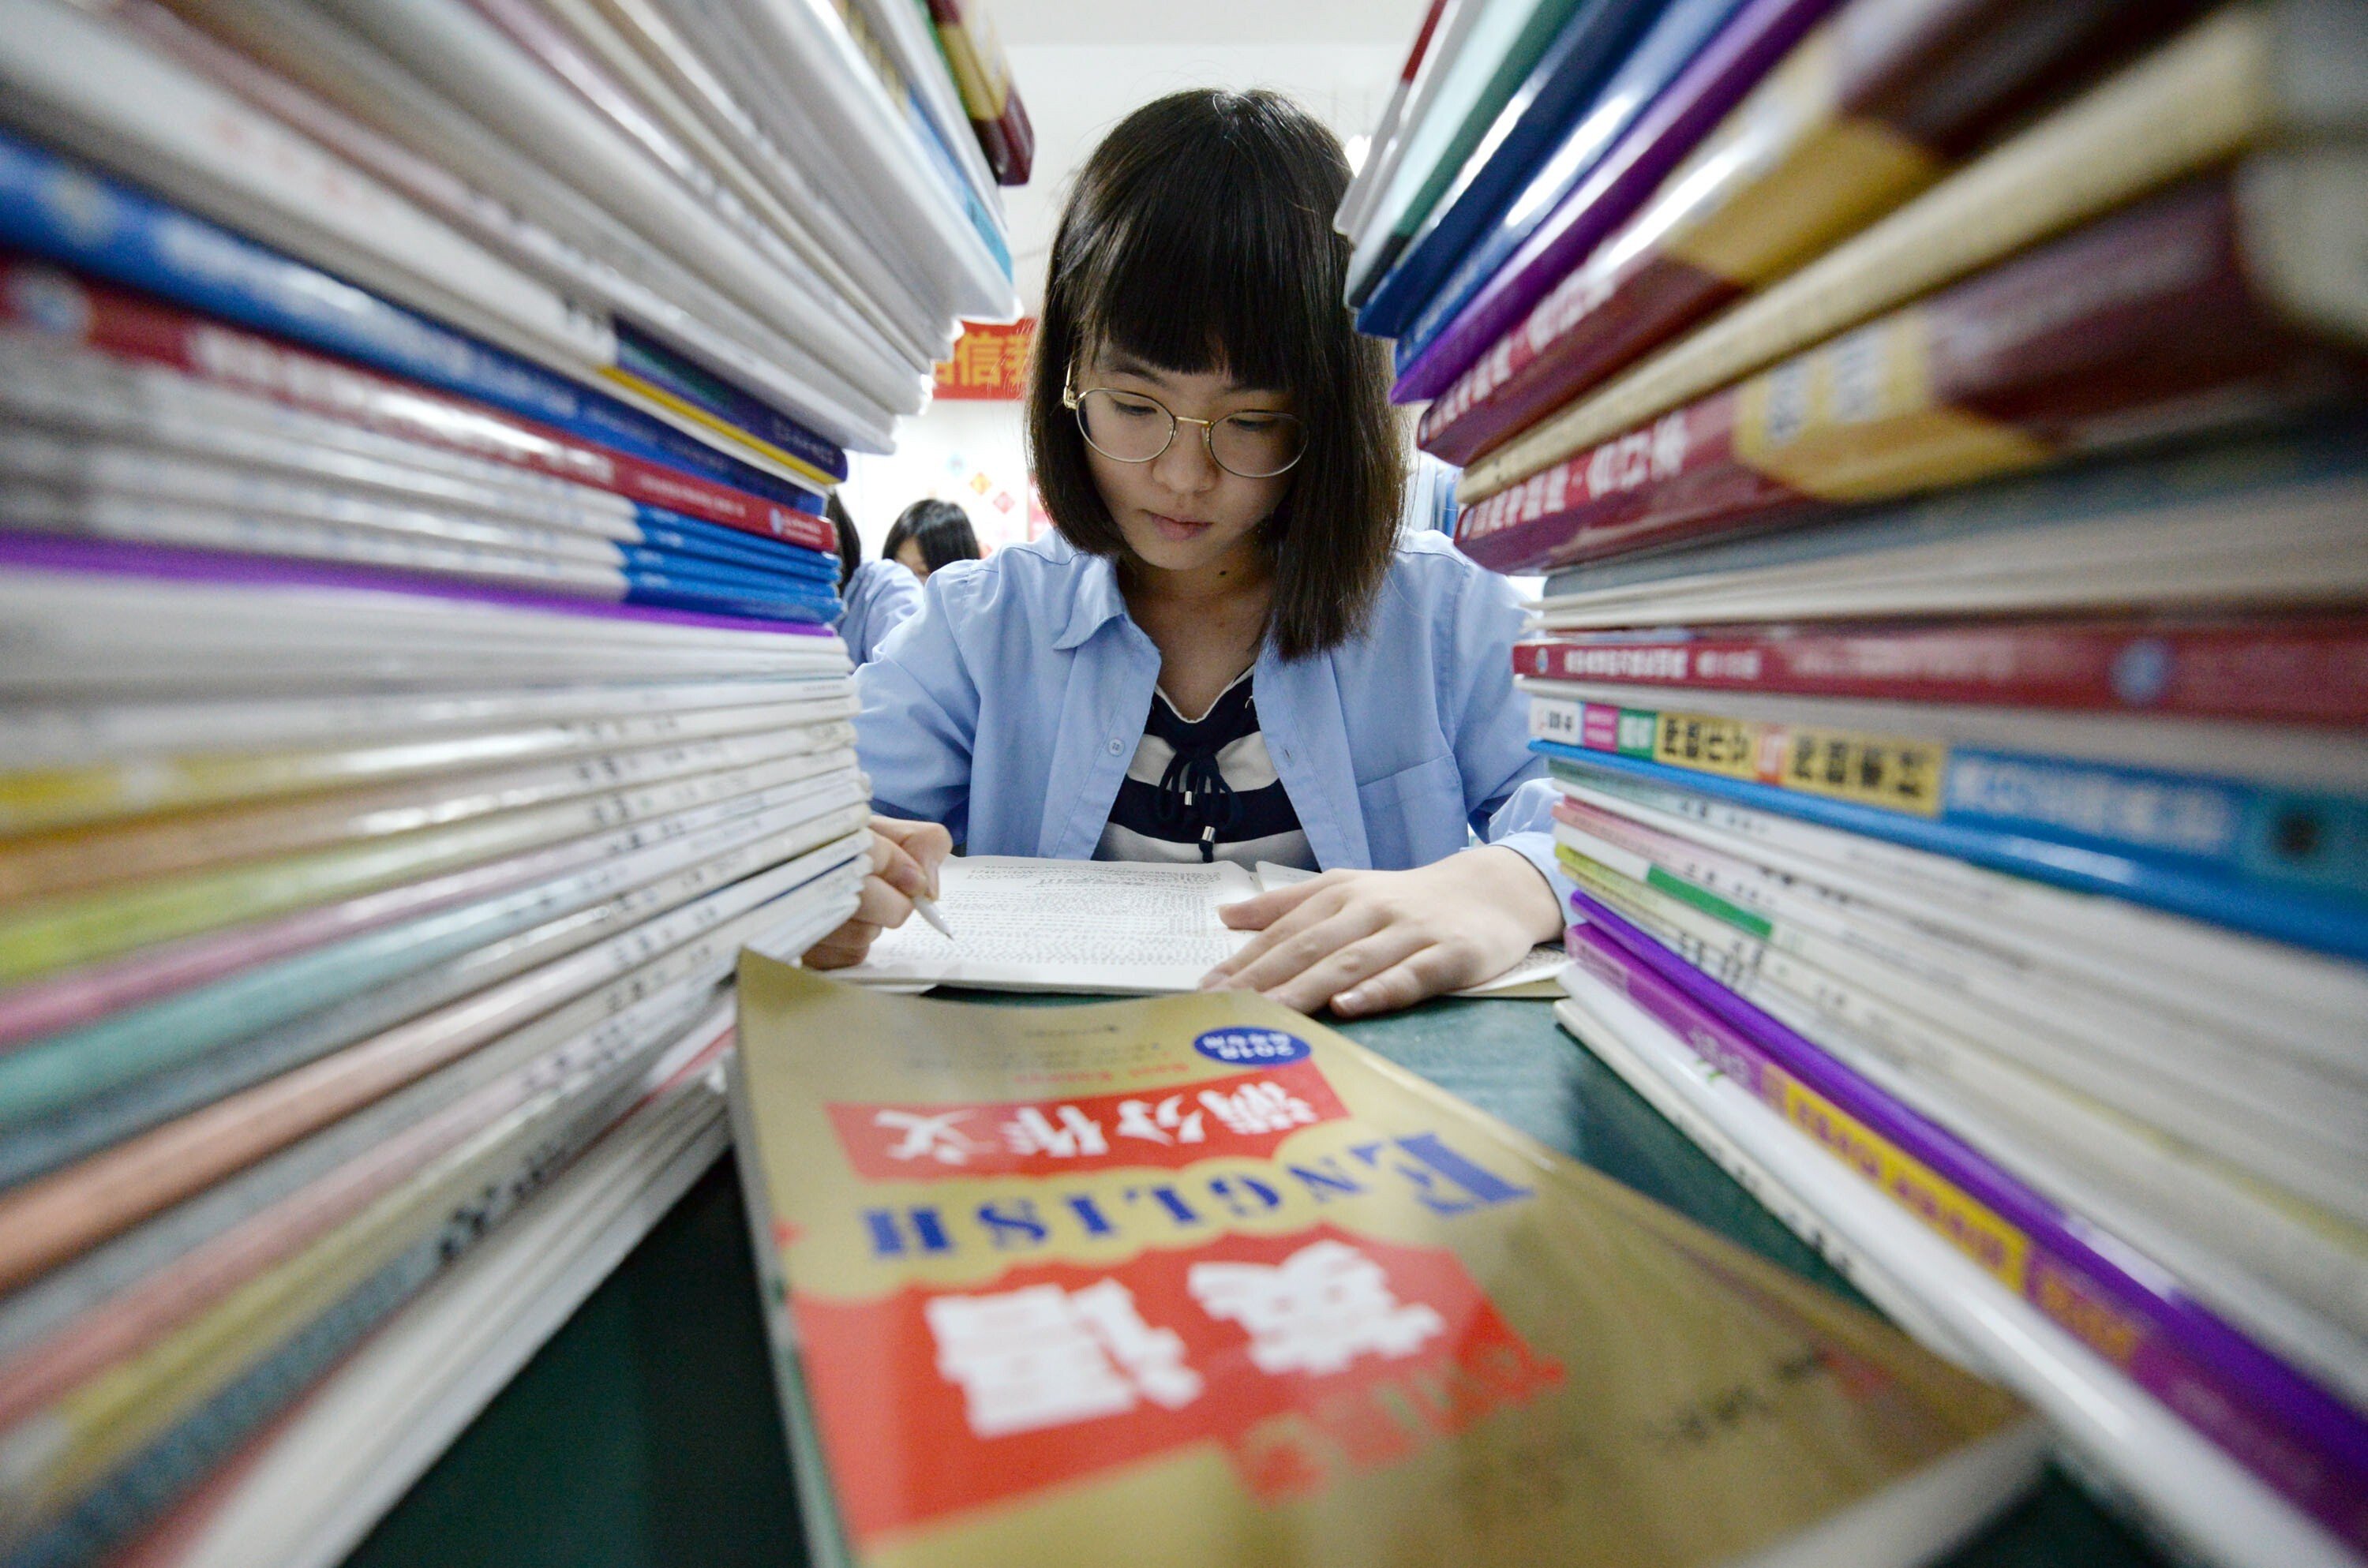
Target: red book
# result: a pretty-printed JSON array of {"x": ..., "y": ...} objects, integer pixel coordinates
[
  {"x": 2149, "y": 324},
  {"x": 1865, "y": 113},
  {"x": 36, "y": 297},
  {"x": 2288, "y": 670}
]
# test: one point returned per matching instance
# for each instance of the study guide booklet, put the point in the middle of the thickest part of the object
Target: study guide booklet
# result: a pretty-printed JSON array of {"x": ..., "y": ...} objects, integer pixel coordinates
[
  {"x": 1196, "y": 1274},
  {"x": 1102, "y": 927}
]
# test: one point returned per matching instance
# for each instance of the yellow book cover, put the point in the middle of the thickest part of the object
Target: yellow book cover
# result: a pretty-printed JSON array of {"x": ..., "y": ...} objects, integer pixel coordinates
[{"x": 1193, "y": 1280}]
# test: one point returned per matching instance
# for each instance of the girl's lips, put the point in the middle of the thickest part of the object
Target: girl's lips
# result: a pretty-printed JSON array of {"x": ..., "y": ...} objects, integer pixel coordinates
[{"x": 1176, "y": 530}]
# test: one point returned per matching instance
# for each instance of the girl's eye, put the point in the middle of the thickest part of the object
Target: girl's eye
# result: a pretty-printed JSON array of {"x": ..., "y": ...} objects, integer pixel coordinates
[
  {"x": 1254, "y": 423},
  {"x": 1135, "y": 408}
]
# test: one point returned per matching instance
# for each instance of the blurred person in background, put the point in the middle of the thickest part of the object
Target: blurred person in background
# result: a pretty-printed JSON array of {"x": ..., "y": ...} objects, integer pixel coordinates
[
  {"x": 930, "y": 534},
  {"x": 879, "y": 596}
]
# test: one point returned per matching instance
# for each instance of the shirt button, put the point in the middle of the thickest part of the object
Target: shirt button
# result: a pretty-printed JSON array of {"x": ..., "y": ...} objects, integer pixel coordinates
[{"x": 1117, "y": 747}]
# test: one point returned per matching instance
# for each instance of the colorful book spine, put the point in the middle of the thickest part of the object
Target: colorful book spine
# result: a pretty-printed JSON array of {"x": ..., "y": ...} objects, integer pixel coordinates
[
  {"x": 2148, "y": 324},
  {"x": 2003, "y": 838},
  {"x": 2306, "y": 1443},
  {"x": 2302, "y": 840},
  {"x": 36, "y": 298},
  {"x": 1380, "y": 148},
  {"x": 59, "y": 210},
  {"x": 2246, "y": 78},
  {"x": 1534, "y": 105},
  {"x": 2298, "y": 670},
  {"x": 1864, "y": 113},
  {"x": 982, "y": 70},
  {"x": 1679, "y": 97}
]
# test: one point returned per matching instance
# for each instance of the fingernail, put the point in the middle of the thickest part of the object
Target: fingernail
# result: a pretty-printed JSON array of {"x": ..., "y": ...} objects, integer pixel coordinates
[{"x": 1349, "y": 1002}]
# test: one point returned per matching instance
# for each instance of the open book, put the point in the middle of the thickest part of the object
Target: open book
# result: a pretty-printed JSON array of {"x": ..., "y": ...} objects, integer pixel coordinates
[{"x": 1117, "y": 927}]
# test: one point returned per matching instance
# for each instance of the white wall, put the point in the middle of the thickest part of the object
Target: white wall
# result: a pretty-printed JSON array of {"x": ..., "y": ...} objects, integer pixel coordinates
[{"x": 964, "y": 452}]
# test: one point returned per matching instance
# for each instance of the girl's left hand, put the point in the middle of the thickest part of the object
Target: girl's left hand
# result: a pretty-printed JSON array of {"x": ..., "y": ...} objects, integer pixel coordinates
[{"x": 1372, "y": 941}]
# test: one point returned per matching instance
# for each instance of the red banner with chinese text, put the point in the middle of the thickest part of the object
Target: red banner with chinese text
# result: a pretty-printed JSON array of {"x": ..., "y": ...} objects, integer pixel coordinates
[{"x": 989, "y": 363}]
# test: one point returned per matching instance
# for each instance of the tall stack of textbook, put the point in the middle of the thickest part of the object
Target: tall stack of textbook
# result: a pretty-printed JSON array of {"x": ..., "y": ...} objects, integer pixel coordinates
[
  {"x": 415, "y": 681},
  {"x": 1942, "y": 425}
]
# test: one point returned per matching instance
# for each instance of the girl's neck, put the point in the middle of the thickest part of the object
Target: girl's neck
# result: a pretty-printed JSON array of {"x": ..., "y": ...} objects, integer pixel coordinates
[{"x": 1239, "y": 580}]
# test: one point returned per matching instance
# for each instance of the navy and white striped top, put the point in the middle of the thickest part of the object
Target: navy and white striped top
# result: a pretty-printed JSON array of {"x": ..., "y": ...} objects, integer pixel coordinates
[{"x": 1203, "y": 790}]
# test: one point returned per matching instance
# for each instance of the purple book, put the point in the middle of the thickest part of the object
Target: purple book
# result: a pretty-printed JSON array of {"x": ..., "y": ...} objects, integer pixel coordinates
[
  {"x": 1729, "y": 67},
  {"x": 2304, "y": 1443},
  {"x": 46, "y": 553}
]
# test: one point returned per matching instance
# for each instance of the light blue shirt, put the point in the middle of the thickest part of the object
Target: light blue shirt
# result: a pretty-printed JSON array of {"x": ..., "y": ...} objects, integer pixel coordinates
[
  {"x": 880, "y": 597},
  {"x": 1009, "y": 707}
]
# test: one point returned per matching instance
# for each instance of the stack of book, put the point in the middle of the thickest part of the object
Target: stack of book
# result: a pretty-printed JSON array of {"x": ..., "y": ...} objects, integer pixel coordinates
[
  {"x": 1943, "y": 425},
  {"x": 418, "y": 685}
]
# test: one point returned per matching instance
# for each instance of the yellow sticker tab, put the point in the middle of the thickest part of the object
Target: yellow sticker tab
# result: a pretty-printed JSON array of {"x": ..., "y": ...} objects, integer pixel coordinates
[
  {"x": 1872, "y": 770},
  {"x": 1945, "y": 1209},
  {"x": 1857, "y": 419},
  {"x": 1886, "y": 771}
]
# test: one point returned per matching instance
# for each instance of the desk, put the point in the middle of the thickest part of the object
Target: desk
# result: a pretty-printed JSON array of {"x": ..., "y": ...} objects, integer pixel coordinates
[{"x": 644, "y": 1435}]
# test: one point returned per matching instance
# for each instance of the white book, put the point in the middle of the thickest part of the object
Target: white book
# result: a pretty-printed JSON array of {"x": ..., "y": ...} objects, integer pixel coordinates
[
  {"x": 2297, "y": 544},
  {"x": 797, "y": 67},
  {"x": 842, "y": 251},
  {"x": 512, "y": 94},
  {"x": 2211, "y": 1504},
  {"x": 44, "y": 382},
  {"x": 1449, "y": 39},
  {"x": 45, "y": 735},
  {"x": 74, "y": 79},
  {"x": 2225, "y": 978},
  {"x": 779, "y": 226},
  {"x": 1117, "y": 927},
  {"x": 71, "y": 633},
  {"x": 2323, "y": 1163},
  {"x": 357, "y": 102},
  {"x": 1459, "y": 91}
]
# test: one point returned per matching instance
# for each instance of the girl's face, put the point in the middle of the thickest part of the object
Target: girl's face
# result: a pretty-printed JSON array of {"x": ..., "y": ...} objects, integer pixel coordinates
[
  {"x": 1180, "y": 512},
  {"x": 909, "y": 554}
]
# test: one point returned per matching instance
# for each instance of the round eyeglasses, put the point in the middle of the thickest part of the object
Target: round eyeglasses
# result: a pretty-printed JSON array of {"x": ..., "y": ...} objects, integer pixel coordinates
[{"x": 1130, "y": 427}]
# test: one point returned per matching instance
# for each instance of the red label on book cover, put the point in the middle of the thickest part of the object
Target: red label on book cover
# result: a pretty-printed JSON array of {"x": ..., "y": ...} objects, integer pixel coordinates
[
  {"x": 1243, "y": 1114},
  {"x": 1305, "y": 1358}
]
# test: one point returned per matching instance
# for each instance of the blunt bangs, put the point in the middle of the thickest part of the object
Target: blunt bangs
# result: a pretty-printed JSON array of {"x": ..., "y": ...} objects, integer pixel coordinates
[{"x": 1199, "y": 239}]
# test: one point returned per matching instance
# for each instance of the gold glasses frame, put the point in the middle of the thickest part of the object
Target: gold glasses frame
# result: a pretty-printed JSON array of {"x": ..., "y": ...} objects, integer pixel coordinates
[{"x": 1074, "y": 400}]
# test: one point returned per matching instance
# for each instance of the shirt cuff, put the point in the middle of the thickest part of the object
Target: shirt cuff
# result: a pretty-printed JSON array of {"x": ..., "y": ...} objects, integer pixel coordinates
[{"x": 1538, "y": 849}]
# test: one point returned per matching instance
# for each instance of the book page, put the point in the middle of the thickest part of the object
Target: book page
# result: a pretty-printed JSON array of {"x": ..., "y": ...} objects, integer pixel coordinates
[{"x": 1091, "y": 926}]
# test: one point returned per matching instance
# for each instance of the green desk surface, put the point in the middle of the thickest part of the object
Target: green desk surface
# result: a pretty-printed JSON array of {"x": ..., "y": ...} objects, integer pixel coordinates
[{"x": 644, "y": 1433}]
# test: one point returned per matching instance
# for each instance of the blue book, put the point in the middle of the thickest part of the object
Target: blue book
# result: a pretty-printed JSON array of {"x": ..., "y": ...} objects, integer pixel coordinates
[
  {"x": 2285, "y": 863},
  {"x": 726, "y": 573},
  {"x": 669, "y": 590},
  {"x": 1664, "y": 50},
  {"x": 643, "y": 356},
  {"x": 1543, "y": 113},
  {"x": 671, "y": 530},
  {"x": 61, "y": 210},
  {"x": 820, "y": 571}
]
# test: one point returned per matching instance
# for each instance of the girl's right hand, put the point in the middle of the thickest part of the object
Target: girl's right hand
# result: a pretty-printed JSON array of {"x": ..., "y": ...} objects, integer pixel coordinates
[{"x": 904, "y": 860}]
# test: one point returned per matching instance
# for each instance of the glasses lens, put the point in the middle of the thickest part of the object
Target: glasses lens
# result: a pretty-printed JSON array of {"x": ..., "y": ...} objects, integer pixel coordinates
[
  {"x": 1122, "y": 426},
  {"x": 1258, "y": 446}
]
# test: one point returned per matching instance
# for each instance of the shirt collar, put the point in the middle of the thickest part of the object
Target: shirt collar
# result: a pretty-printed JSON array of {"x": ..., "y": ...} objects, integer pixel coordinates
[{"x": 1094, "y": 600}]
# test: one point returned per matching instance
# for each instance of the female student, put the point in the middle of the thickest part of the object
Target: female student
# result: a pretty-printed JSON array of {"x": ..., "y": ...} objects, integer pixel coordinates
[
  {"x": 878, "y": 596},
  {"x": 929, "y": 535},
  {"x": 1224, "y": 649}
]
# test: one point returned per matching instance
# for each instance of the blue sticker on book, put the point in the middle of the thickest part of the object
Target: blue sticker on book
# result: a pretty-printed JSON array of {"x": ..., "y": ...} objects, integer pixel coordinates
[{"x": 1251, "y": 1047}]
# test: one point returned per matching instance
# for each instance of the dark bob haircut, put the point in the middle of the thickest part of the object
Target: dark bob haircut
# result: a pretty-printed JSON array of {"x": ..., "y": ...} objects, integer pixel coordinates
[
  {"x": 850, "y": 548},
  {"x": 940, "y": 529},
  {"x": 1199, "y": 239}
]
